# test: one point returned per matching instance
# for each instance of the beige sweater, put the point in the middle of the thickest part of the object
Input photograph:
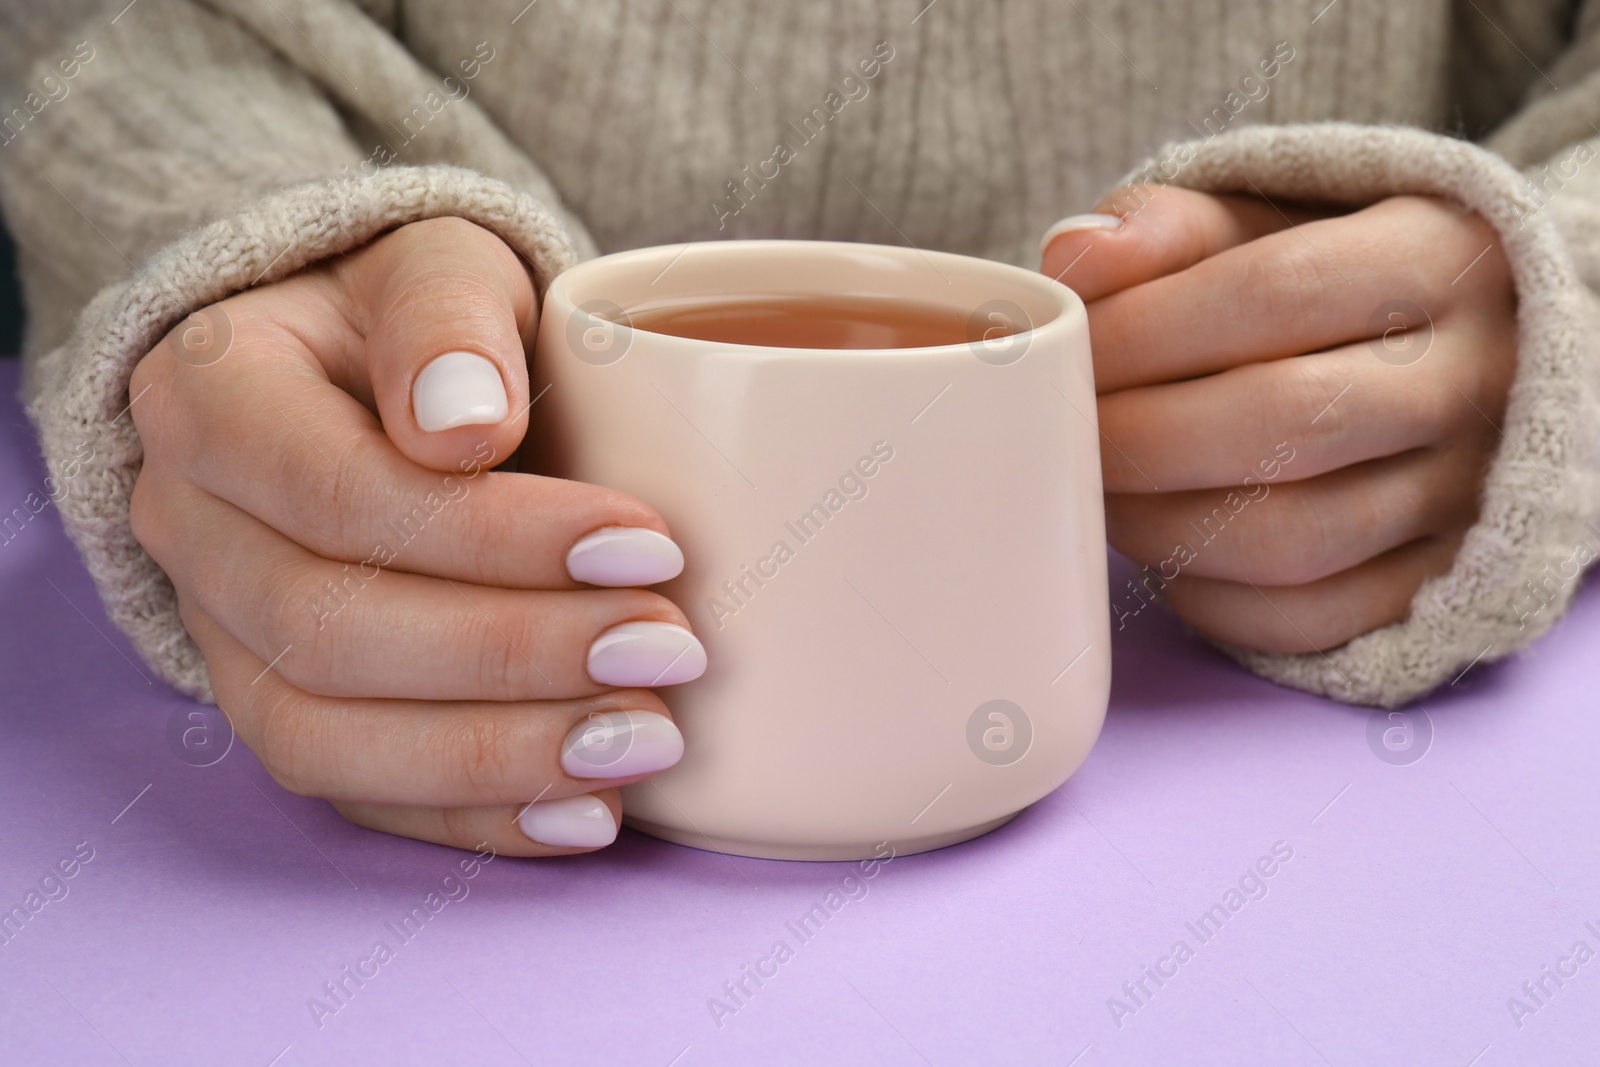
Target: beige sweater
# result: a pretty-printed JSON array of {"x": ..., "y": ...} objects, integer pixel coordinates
[{"x": 158, "y": 155}]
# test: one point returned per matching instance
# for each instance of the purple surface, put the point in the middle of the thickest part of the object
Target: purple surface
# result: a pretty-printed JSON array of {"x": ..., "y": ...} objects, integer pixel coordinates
[{"x": 1418, "y": 900}]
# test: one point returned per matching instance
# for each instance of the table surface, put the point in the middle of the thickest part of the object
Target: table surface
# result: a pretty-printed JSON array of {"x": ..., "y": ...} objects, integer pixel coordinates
[{"x": 1436, "y": 864}]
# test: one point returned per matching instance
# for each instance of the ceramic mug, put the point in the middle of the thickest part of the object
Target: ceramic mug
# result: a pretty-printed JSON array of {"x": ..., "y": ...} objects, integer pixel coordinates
[{"x": 895, "y": 558}]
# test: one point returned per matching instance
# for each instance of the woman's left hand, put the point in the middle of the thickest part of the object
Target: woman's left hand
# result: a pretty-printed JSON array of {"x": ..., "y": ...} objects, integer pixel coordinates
[{"x": 1297, "y": 407}]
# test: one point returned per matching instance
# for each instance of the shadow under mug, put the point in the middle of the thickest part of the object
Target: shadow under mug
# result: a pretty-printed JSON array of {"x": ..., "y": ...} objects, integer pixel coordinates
[{"x": 895, "y": 558}]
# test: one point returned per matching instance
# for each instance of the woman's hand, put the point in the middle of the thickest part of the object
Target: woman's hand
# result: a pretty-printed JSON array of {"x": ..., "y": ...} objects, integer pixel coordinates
[
  {"x": 1297, "y": 419},
  {"x": 389, "y": 623}
]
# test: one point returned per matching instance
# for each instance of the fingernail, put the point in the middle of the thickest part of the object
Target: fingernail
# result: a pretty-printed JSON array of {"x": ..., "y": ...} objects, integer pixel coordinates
[
  {"x": 571, "y": 822},
  {"x": 619, "y": 744},
  {"x": 1079, "y": 222},
  {"x": 624, "y": 555},
  {"x": 458, "y": 389},
  {"x": 646, "y": 653}
]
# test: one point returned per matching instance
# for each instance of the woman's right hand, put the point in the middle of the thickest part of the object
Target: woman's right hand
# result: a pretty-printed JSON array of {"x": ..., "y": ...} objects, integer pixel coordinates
[{"x": 389, "y": 623}]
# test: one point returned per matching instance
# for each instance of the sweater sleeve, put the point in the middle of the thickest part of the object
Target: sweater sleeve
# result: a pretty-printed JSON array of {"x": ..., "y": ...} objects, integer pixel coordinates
[
  {"x": 1537, "y": 180},
  {"x": 168, "y": 156}
]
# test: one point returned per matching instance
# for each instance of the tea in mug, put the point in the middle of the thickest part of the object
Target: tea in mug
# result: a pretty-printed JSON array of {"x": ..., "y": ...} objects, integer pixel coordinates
[{"x": 809, "y": 321}]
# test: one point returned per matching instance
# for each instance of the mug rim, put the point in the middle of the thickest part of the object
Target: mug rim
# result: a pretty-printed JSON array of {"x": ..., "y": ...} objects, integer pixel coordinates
[{"x": 1067, "y": 306}]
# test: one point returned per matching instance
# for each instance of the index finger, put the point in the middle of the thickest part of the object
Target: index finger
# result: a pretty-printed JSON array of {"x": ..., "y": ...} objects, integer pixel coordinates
[
  {"x": 1162, "y": 230},
  {"x": 268, "y": 434},
  {"x": 1301, "y": 290}
]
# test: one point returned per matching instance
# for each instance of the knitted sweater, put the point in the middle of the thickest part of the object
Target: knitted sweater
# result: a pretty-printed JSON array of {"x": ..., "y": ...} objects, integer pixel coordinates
[{"x": 160, "y": 155}]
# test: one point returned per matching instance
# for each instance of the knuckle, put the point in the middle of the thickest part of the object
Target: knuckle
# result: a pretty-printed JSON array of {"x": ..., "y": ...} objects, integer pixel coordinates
[
  {"x": 507, "y": 657},
  {"x": 486, "y": 541},
  {"x": 193, "y": 408},
  {"x": 1477, "y": 234},
  {"x": 1288, "y": 281},
  {"x": 149, "y": 373},
  {"x": 457, "y": 824},
  {"x": 188, "y": 614},
  {"x": 151, "y": 414},
  {"x": 1436, "y": 410},
  {"x": 1275, "y": 541},
  {"x": 1306, "y": 387},
  {"x": 346, "y": 499},
  {"x": 1195, "y": 221},
  {"x": 1298, "y": 549},
  {"x": 479, "y": 754},
  {"x": 1188, "y": 239},
  {"x": 328, "y": 510},
  {"x": 1459, "y": 229},
  {"x": 1458, "y": 255},
  {"x": 287, "y": 599},
  {"x": 1419, "y": 504},
  {"x": 357, "y": 813},
  {"x": 147, "y": 516},
  {"x": 285, "y": 729},
  {"x": 282, "y": 594}
]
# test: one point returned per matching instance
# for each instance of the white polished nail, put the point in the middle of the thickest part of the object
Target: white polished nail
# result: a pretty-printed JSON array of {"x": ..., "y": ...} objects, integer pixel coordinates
[
  {"x": 1079, "y": 222},
  {"x": 458, "y": 389},
  {"x": 646, "y": 653},
  {"x": 571, "y": 822},
  {"x": 620, "y": 744},
  {"x": 624, "y": 555}
]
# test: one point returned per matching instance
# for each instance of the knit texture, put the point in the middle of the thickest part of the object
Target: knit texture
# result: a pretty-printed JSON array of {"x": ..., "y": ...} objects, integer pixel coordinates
[{"x": 199, "y": 147}]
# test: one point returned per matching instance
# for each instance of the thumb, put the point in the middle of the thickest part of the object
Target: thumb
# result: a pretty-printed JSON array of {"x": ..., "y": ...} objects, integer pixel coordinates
[
  {"x": 1142, "y": 232},
  {"x": 452, "y": 310}
]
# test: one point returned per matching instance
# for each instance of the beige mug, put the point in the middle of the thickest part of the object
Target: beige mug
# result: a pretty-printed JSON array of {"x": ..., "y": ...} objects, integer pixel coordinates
[{"x": 895, "y": 558}]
